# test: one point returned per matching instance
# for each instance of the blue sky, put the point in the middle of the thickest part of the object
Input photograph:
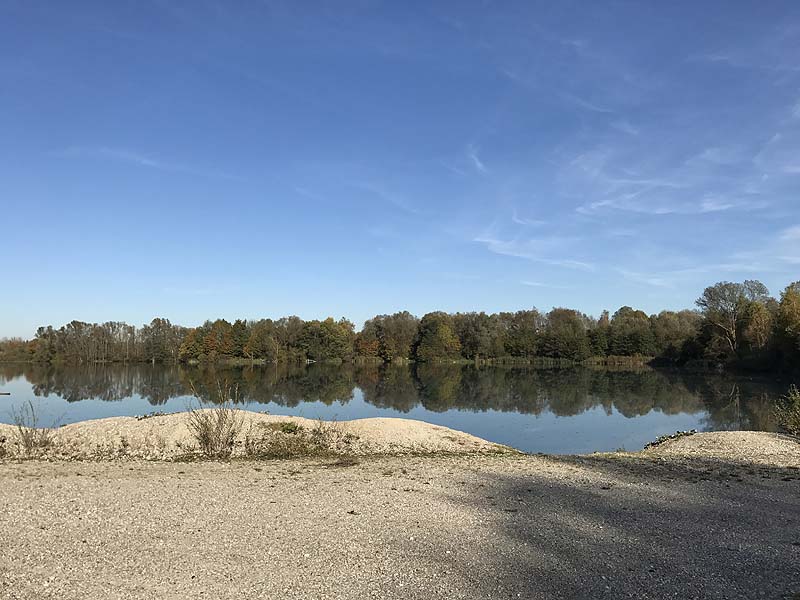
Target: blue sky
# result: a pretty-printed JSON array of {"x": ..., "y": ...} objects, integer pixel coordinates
[{"x": 211, "y": 159}]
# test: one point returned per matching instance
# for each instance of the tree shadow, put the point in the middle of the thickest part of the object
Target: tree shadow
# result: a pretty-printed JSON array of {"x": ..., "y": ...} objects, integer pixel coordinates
[{"x": 600, "y": 527}]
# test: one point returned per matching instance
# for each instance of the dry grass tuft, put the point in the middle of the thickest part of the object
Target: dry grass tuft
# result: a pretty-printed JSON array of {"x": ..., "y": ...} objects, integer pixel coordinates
[{"x": 32, "y": 438}]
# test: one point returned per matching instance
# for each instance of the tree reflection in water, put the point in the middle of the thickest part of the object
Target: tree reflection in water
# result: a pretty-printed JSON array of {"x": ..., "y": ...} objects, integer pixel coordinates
[{"x": 727, "y": 402}]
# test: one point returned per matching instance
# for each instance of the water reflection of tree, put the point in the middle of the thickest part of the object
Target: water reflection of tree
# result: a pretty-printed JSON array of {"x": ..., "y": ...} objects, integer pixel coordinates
[
  {"x": 729, "y": 402},
  {"x": 287, "y": 385},
  {"x": 389, "y": 386},
  {"x": 741, "y": 403},
  {"x": 9, "y": 371},
  {"x": 438, "y": 385}
]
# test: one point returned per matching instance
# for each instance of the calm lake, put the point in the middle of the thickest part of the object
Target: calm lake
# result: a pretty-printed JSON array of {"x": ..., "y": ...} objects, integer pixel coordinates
[{"x": 535, "y": 410}]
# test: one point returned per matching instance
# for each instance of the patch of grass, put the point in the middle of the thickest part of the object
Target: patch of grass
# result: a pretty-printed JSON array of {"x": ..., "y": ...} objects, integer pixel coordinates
[
  {"x": 287, "y": 427},
  {"x": 287, "y": 439},
  {"x": 271, "y": 443},
  {"x": 32, "y": 438},
  {"x": 787, "y": 411}
]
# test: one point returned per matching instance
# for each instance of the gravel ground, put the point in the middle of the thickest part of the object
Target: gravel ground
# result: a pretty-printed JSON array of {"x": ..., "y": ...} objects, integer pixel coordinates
[{"x": 649, "y": 525}]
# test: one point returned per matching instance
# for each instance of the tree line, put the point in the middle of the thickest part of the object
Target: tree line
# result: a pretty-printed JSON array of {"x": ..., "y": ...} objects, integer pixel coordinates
[{"x": 734, "y": 323}]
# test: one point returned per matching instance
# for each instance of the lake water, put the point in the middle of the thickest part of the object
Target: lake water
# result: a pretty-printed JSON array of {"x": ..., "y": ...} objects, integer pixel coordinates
[{"x": 535, "y": 410}]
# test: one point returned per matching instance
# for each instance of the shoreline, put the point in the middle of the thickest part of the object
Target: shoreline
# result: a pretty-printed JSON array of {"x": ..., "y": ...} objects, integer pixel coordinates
[
  {"x": 173, "y": 437},
  {"x": 254, "y": 435},
  {"x": 612, "y": 362}
]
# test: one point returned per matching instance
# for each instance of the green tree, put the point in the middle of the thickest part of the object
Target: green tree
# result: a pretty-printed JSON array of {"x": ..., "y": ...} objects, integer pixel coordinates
[
  {"x": 328, "y": 339},
  {"x": 725, "y": 304},
  {"x": 673, "y": 330},
  {"x": 436, "y": 339},
  {"x": 240, "y": 333},
  {"x": 630, "y": 333},
  {"x": 522, "y": 330},
  {"x": 565, "y": 335},
  {"x": 599, "y": 335},
  {"x": 388, "y": 336}
]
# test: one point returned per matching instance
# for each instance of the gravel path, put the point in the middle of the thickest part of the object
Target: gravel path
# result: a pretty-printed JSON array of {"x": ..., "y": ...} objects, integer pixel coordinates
[{"x": 599, "y": 526}]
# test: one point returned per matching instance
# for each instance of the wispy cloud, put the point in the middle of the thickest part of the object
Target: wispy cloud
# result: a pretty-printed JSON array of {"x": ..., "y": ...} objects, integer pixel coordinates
[
  {"x": 722, "y": 155},
  {"x": 537, "y": 250},
  {"x": 472, "y": 154},
  {"x": 644, "y": 278},
  {"x": 182, "y": 291},
  {"x": 385, "y": 195},
  {"x": 526, "y": 221},
  {"x": 305, "y": 192},
  {"x": 585, "y": 104},
  {"x": 138, "y": 159},
  {"x": 453, "y": 169},
  {"x": 540, "y": 284},
  {"x": 778, "y": 155},
  {"x": 708, "y": 205},
  {"x": 779, "y": 253},
  {"x": 675, "y": 278},
  {"x": 455, "y": 276},
  {"x": 747, "y": 59},
  {"x": 692, "y": 187},
  {"x": 625, "y": 127}
]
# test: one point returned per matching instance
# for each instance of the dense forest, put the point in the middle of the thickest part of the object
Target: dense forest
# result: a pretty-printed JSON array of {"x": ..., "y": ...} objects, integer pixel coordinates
[{"x": 737, "y": 324}]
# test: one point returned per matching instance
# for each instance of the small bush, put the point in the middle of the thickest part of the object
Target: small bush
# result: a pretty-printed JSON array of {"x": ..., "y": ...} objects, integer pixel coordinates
[
  {"x": 287, "y": 427},
  {"x": 216, "y": 428},
  {"x": 32, "y": 438},
  {"x": 787, "y": 411}
]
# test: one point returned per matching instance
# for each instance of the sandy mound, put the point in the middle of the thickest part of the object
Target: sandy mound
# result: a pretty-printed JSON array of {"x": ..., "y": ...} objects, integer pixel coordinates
[
  {"x": 739, "y": 446},
  {"x": 169, "y": 437}
]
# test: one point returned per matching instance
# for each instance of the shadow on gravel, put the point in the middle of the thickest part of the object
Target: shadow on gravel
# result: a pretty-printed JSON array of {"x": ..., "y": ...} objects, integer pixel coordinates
[{"x": 632, "y": 528}]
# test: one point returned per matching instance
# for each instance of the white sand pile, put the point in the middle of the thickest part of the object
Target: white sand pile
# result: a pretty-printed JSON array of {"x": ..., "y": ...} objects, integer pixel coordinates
[
  {"x": 757, "y": 447},
  {"x": 169, "y": 437}
]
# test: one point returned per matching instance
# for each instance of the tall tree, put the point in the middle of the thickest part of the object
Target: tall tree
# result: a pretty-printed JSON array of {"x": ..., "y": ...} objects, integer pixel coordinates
[
  {"x": 631, "y": 334},
  {"x": 565, "y": 335},
  {"x": 724, "y": 305},
  {"x": 436, "y": 339}
]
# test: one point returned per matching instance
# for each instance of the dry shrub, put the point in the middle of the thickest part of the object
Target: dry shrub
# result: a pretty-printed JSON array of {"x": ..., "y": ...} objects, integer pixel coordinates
[
  {"x": 32, "y": 438},
  {"x": 216, "y": 428}
]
